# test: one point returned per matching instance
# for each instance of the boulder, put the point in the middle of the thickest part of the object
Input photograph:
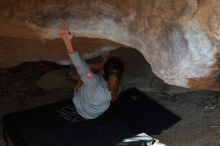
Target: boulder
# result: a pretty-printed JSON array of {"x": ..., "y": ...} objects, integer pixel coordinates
[
  {"x": 179, "y": 39},
  {"x": 55, "y": 79}
]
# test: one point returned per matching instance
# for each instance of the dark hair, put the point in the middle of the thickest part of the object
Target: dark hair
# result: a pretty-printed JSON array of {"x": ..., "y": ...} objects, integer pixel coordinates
[{"x": 113, "y": 66}]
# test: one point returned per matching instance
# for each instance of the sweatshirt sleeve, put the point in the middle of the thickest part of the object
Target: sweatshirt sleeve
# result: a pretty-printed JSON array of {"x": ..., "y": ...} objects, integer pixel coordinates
[{"x": 82, "y": 68}]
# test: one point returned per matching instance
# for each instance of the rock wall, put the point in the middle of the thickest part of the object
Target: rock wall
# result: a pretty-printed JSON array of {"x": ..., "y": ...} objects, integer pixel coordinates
[{"x": 180, "y": 39}]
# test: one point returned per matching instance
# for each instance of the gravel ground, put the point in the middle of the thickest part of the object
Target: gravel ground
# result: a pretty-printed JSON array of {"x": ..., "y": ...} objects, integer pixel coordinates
[{"x": 200, "y": 124}]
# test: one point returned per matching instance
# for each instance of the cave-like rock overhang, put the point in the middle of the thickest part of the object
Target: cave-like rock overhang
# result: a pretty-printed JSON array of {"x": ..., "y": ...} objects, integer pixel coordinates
[{"x": 180, "y": 39}]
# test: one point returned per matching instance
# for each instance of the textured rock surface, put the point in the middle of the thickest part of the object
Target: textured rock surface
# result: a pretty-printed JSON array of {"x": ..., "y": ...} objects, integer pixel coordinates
[
  {"x": 53, "y": 80},
  {"x": 180, "y": 39}
]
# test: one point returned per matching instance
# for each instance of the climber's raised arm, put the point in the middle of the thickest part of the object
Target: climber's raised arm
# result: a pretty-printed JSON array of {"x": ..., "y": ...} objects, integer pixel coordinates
[{"x": 81, "y": 66}]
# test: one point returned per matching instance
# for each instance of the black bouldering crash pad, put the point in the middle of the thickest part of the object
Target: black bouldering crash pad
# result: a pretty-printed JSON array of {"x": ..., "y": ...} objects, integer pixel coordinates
[{"x": 131, "y": 114}]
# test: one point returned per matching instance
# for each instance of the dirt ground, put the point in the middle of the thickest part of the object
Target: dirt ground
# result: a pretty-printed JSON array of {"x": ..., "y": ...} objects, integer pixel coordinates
[{"x": 199, "y": 110}]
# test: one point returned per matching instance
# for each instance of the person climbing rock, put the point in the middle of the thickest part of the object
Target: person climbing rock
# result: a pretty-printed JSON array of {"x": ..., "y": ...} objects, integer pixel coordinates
[{"x": 93, "y": 95}]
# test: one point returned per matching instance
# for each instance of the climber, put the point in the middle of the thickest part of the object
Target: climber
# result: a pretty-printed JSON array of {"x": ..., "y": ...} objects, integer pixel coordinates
[{"x": 93, "y": 97}]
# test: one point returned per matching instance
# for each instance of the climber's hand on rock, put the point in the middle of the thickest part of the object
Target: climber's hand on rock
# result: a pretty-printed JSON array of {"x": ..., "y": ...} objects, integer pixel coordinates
[
  {"x": 67, "y": 37},
  {"x": 64, "y": 32}
]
